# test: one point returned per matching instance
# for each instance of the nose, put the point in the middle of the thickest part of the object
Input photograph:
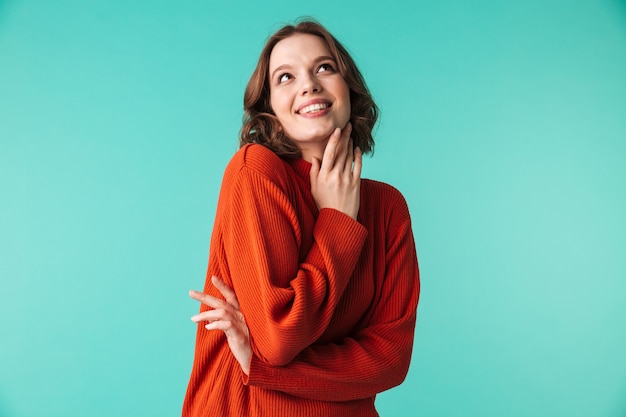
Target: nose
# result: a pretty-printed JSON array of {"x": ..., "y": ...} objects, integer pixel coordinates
[{"x": 310, "y": 85}]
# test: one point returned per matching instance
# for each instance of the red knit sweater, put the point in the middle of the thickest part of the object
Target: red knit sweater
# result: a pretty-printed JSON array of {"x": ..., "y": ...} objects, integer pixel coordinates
[{"x": 330, "y": 302}]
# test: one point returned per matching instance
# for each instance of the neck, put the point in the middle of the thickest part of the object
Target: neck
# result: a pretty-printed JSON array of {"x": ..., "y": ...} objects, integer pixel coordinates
[{"x": 313, "y": 151}]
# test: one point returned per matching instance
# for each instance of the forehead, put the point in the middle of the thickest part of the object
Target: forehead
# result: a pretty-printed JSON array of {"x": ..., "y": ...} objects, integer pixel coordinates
[{"x": 298, "y": 48}]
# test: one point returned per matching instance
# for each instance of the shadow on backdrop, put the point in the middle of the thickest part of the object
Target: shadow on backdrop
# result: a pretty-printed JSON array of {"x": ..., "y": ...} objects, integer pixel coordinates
[
  {"x": 622, "y": 6},
  {"x": 4, "y": 412},
  {"x": 3, "y": 16},
  {"x": 620, "y": 406}
]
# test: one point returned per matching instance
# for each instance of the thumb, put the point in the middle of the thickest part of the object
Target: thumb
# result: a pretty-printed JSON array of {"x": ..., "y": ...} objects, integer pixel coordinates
[{"x": 315, "y": 170}]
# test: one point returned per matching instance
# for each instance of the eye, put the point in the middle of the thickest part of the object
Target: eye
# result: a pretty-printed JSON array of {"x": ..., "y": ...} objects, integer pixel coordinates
[
  {"x": 283, "y": 78},
  {"x": 326, "y": 67}
]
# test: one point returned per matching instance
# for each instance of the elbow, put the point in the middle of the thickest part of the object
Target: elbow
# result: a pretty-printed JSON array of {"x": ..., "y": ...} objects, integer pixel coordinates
[
  {"x": 401, "y": 366},
  {"x": 401, "y": 373},
  {"x": 279, "y": 345},
  {"x": 396, "y": 376},
  {"x": 276, "y": 358},
  {"x": 275, "y": 354}
]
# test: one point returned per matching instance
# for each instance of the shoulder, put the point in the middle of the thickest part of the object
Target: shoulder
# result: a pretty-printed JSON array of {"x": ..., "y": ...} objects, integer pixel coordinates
[
  {"x": 384, "y": 199},
  {"x": 254, "y": 160},
  {"x": 257, "y": 159},
  {"x": 254, "y": 156},
  {"x": 386, "y": 193}
]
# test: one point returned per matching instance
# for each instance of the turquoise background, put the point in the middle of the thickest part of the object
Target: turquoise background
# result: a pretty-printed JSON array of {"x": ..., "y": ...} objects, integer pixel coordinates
[{"x": 503, "y": 123}]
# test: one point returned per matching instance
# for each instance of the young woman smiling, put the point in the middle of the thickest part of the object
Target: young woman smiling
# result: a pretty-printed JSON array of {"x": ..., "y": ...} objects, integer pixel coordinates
[{"x": 315, "y": 307}]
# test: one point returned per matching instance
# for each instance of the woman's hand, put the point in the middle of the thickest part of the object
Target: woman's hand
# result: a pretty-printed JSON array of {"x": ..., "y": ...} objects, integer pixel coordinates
[
  {"x": 334, "y": 182},
  {"x": 226, "y": 316}
]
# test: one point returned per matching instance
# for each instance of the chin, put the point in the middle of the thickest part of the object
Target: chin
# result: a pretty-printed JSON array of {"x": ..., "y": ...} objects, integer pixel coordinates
[
  {"x": 313, "y": 135},
  {"x": 315, "y": 130}
]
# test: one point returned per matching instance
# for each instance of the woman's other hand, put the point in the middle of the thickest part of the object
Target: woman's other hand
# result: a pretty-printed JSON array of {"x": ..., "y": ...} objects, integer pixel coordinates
[
  {"x": 226, "y": 316},
  {"x": 335, "y": 182}
]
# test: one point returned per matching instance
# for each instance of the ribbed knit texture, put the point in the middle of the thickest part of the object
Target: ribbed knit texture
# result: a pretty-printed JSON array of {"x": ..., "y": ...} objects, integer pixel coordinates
[{"x": 330, "y": 302}]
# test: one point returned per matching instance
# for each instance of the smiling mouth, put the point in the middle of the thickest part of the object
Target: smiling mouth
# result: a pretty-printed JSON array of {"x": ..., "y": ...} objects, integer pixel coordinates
[{"x": 314, "y": 108}]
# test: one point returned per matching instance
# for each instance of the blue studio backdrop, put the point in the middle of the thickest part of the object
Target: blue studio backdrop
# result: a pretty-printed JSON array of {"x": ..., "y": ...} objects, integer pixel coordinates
[{"x": 503, "y": 124}]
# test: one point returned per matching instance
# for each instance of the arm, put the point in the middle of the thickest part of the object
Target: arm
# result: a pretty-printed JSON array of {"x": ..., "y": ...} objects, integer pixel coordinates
[
  {"x": 288, "y": 304},
  {"x": 373, "y": 360},
  {"x": 368, "y": 362}
]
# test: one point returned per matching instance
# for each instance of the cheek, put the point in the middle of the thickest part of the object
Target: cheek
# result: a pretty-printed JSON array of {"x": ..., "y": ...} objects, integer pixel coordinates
[
  {"x": 344, "y": 93},
  {"x": 280, "y": 106},
  {"x": 347, "y": 103}
]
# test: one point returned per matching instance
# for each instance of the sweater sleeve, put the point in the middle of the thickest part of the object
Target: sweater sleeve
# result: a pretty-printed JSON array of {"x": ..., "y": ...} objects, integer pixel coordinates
[
  {"x": 372, "y": 360},
  {"x": 287, "y": 304}
]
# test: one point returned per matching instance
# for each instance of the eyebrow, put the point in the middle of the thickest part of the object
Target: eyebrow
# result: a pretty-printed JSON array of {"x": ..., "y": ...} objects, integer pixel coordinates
[{"x": 318, "y": 59}]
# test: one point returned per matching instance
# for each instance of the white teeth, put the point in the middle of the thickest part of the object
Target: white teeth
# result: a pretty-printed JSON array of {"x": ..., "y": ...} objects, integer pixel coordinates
[{"x": 314, "y": 107}]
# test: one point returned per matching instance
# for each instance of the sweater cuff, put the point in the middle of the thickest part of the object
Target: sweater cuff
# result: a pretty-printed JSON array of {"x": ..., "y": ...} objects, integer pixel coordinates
[
  {"x": 343, "y": 227},
  {"x": 260, "y": 373}
]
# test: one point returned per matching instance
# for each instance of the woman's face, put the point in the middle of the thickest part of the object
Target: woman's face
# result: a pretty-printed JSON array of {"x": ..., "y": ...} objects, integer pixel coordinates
[{"x": 307, "y": 93}]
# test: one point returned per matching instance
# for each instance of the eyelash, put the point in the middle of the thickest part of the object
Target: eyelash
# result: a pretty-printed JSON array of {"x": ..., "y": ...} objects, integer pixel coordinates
[
  {"x": 326, "y": 64},
  {"x": 280, "y": 77},
  {"x": 330, "y": 67}
]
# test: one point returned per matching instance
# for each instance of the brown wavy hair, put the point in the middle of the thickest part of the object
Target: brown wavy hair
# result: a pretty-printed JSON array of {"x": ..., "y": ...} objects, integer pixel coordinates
[{"x": 261, "y": 126}]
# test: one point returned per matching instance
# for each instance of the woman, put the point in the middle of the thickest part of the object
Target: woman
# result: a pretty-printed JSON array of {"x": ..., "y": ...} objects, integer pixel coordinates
[{"x": 322, "y": 264}]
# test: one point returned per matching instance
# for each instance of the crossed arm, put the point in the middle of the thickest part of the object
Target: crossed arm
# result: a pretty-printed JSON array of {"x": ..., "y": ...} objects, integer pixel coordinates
[
  {"x": 379, "y": 354},
  {"x": 335, "y": 184},
  {"x": 364, "y": 364}
]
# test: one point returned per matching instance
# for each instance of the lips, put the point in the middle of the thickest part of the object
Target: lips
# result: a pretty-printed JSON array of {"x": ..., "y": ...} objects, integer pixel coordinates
[{"x": 312, "y": 106}]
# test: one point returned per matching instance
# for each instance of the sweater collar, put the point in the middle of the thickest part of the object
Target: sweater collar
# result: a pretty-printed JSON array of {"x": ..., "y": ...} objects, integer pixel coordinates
[{"x": 301, "y": 167}]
